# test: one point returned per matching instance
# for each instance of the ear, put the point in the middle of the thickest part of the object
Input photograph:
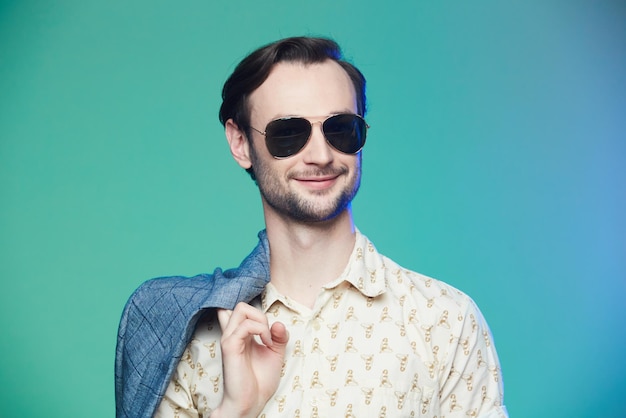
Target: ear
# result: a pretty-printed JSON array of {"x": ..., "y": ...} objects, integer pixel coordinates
[{"x": 238, "y": 143}]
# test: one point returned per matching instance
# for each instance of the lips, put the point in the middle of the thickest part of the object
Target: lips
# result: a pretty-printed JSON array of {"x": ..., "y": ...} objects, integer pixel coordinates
[
  {"x": 317, "y": 182},
  {"x": 315, "y": 179},
  {"x": 319, "y": 179}
]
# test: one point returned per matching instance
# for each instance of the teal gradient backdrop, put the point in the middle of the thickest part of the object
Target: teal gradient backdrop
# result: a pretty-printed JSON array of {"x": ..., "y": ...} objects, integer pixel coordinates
[{"x": 496, "y": 162}]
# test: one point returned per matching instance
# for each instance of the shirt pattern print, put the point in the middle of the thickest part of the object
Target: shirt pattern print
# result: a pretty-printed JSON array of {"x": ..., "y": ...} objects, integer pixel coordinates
[{"x": 380, "y": 341}]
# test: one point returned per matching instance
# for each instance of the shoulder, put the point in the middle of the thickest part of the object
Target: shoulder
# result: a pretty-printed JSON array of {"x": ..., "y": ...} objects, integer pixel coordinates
[
  {"x": 440, "y": 307},
  {"x": 164, "y": 296},
  {"x": 167, "y": 290},
  {"x": 434, "y": 302},
  {"x": 402, "y": 283},
  {"x": 170, "y": 286},
  {"x": 182, "y": 296},
  {"x": 424, "y": 287}
]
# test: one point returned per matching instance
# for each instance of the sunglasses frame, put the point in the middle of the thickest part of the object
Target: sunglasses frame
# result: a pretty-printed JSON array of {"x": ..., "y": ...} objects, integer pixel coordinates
[{"x": 322, "y": 122}]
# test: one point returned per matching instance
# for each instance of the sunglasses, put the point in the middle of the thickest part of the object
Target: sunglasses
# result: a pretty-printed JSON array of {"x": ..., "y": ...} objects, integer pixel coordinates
[{"x": 285, "y": 137}]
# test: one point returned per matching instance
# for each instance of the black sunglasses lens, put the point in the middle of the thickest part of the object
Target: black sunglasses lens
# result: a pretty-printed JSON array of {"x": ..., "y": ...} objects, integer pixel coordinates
[
  {"x": 286, "y": 137},
  {"x": 346, "y": 132}
]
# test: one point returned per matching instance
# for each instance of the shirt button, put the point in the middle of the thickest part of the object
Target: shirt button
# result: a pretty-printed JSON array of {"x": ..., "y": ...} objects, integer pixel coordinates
[{"x": 316, "y": 324}]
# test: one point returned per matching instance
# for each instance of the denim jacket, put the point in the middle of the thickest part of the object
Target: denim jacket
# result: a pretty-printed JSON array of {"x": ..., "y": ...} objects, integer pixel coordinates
[{"x": 159, "y": 320}]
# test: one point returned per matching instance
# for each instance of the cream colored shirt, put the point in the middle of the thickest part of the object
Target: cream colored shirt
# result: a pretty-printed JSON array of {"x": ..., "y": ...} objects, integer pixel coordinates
[{"x": 380, "y": 341}]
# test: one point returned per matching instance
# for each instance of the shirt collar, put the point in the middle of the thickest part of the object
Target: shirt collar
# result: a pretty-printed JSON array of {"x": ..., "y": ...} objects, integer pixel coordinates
[{"x": 365, "y": 271}]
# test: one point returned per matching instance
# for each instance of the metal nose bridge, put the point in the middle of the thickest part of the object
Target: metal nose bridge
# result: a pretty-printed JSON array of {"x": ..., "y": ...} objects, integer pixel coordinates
[
  {"x": 319, "y": 122},
  {"x": 321, "y": 128},
  {"x": 326, "y": 144}
]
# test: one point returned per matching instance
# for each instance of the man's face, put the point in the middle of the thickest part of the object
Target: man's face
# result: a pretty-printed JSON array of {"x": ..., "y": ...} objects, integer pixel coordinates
[{"x": 319, "y": 182}]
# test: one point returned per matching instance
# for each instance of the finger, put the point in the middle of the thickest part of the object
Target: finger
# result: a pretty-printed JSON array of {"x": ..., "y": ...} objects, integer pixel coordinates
[
  {"x": 242, "y": 312},
  {"x": 223, "y": 317},
  {"x": 248, "y": 329},
  {"x": 243, "y": 322}
]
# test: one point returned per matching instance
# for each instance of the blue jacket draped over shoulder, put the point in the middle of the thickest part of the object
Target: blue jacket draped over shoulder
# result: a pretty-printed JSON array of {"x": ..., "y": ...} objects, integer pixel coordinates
[{"x": 159, "y": 320}]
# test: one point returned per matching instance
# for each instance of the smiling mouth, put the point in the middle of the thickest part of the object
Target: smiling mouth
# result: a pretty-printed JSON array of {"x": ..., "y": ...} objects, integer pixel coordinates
[
  {"x": 320, "y": 179},
  {"x": 317, "y": 179},
  {"x": 317, "y": 182}
]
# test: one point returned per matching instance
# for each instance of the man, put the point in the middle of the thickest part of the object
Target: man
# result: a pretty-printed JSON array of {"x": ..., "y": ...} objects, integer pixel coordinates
[{"x": 315, "y": 322}]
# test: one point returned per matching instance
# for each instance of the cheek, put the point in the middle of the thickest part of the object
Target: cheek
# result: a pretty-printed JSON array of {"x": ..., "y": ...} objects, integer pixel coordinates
[
  {"x": 259, "y": 156},
  {"x": 355, "y": 163},
  {"x": 270, "y": 170}
]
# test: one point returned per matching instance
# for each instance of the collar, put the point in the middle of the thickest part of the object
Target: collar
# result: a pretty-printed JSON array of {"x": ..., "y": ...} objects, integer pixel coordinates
[{"x": 365, "y": 271}]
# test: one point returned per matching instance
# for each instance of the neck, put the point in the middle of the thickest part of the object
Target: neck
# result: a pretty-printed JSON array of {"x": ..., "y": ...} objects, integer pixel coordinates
[{"x": 305, "y": 257}]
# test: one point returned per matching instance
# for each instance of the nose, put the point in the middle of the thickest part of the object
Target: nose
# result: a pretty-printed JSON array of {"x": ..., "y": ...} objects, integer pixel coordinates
[{"x": 317, "y": 150}]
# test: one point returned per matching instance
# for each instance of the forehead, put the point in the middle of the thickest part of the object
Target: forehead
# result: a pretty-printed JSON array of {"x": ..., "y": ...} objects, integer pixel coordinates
[{"x": 296, "y": 89}]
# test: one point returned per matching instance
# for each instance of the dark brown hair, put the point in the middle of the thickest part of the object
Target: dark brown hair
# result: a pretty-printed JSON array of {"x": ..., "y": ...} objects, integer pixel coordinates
[{"x": 253, "y": 70}]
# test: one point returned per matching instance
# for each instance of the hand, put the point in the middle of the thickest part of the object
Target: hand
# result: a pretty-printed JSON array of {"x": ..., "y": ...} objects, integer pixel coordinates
[{"x": 251, "y": 370}]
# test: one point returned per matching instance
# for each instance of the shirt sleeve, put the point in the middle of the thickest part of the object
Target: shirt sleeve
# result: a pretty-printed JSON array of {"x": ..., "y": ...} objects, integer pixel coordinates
[
  {"x": 473, "y": 385},
  {"x": 177, "y": 401}
]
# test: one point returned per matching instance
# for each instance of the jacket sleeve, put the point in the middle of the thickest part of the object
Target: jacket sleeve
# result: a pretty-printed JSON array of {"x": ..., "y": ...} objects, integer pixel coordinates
[
  {"x": 156, "y": 324},
  {"x": 159, "y": 320}
]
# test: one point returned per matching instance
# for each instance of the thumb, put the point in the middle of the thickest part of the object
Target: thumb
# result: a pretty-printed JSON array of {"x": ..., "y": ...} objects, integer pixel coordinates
[{"x": 280, "y": 336}]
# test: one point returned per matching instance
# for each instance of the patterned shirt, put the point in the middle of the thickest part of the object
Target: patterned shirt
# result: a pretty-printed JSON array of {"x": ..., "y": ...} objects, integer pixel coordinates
[{"x": 380, "y": 341}]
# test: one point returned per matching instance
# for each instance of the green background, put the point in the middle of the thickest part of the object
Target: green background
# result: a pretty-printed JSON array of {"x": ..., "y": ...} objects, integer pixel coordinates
[{"x": 495, "y": 162}]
